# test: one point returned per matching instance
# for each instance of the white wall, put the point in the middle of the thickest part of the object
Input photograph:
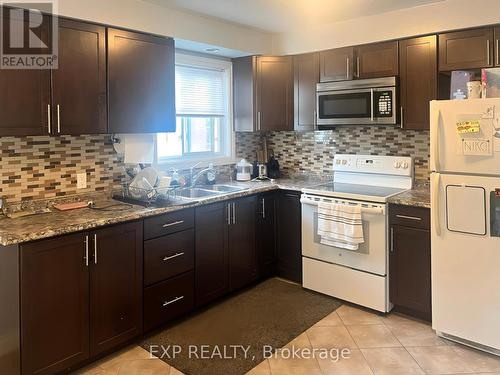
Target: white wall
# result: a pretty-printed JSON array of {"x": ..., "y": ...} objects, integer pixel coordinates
[
  {"x": 144, "y": 16},
  {"x": 431, "y": 18}
]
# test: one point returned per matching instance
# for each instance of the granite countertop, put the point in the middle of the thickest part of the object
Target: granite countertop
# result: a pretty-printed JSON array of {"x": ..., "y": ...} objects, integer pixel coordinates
[
  {"x": 31, "y": 228},
  {"x": 419, "y": 196}
]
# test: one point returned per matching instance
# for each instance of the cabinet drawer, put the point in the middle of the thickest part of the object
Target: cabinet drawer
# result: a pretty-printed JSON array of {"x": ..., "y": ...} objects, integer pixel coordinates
[
  {"x": 168, "y": 256},
  {"x": 169, "y": 223},
  {"x": 168, "y": 300},
  {"x": 415, "y": 217}
]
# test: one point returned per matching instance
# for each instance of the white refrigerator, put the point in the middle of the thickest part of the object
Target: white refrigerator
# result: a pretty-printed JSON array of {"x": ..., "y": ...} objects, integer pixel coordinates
[{"x": 465, "y": 209}]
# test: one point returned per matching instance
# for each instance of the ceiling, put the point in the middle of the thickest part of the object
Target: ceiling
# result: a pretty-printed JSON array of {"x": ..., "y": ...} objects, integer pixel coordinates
[{"x": 283, "y": 15}]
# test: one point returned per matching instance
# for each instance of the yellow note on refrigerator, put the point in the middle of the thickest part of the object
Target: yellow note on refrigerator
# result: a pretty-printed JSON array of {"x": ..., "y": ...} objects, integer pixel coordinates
[{"x": 468, "y": 126}]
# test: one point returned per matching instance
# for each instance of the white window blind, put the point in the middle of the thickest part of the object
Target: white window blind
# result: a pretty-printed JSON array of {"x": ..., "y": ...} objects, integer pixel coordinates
[{"x": 199, "y": 91}]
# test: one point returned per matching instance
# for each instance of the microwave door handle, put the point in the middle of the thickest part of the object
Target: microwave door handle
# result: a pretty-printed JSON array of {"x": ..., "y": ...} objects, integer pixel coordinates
[{"x": 371, "y": 105}]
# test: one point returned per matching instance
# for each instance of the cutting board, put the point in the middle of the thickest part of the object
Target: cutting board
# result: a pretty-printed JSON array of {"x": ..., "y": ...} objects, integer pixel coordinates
[{"x": 70, "y": 206}]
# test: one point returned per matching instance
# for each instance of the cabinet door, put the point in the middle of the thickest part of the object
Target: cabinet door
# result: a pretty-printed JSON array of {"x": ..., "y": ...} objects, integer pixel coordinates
[
  {"x": 24, "y": 95},
  {"x": 336, "y": 64},
  {"x": 54, "y": 304},
  {"x": 116, "y": 286},
  {"x": 211, "y": 252},
  {"x": 306, "y": 76},
  {"x": 266, "y": 234},
  {"x": 289, "y": 237},
  {"x": 418, "y": 80},
  {"x": 377, "y": 60},
  {"x": 410, "y": 270},
  {"x": 244, "y": 73},
  {"x": 79, "y": 83},
  {"x": 471, "y": 49},
  {"x": 497, "y": 46},
  {"x": 141, "y": 76},
  {"x": 242, "y": 256},
  {"x": 274, "y": 93}
]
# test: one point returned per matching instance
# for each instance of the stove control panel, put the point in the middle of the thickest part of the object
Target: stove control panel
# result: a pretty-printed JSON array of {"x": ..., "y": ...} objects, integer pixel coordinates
[{"x": 389, "y": 165}]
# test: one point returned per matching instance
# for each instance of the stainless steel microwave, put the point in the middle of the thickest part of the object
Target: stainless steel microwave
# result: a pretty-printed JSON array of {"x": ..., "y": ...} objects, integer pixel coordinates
[{"x": 358, "y": 102}]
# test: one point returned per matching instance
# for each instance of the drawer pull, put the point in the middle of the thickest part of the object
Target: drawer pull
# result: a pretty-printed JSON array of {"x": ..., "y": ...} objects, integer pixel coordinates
[
  {"x": 172, "y": 256},
  {"x": 409, "y": 217},
  {"x": 172, "y": 224},
  {"x": 166, "y": 303}
]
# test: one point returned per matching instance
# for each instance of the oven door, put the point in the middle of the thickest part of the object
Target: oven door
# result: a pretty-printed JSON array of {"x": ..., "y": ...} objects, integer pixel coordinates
[
  {"x": 372, "y": 254},
  {"x": 365, "y": 106}
]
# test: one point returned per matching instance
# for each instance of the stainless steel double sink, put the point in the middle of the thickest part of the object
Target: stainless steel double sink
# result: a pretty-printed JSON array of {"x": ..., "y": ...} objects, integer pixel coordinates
[{"x": 206, "y": 191}]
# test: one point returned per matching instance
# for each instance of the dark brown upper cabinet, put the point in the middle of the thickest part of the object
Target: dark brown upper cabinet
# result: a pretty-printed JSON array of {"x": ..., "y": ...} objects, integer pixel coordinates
[
  {"x": 263, "y": 93},
  {"x": 377, "y": 60},
  {"x": 337, "y": 64},
  {"x": 470, "y": 49},
  {"x": 497, "y": 46},
  {"x": 24, "y": 96},
  {"x": 306, "y": 76},
  {"x": 418, "y": 80},
  {"x": 54, "y": 304},
  {"x": 141, "y": 77},
  {"x": 79, "y": 83}
]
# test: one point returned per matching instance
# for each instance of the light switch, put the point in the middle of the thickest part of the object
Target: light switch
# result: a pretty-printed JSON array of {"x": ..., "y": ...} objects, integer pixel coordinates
[{"x": 81, "y": 180}]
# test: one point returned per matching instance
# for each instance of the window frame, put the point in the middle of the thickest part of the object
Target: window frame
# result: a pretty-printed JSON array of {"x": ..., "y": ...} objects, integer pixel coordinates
[{"x": 229, "y": 154}]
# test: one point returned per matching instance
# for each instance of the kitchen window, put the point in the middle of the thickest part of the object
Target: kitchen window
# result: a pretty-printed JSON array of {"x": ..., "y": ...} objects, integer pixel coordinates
[{"x": 203, "y": 105}]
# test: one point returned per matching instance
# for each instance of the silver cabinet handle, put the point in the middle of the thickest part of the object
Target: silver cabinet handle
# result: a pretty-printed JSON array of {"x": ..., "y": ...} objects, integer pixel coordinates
[
  {"x": 234, "y": 213},
  {"x": 86, "y": 257},
  {"x": 409, "y": 217},
  {"x": 176, "y": 299},
  {"x": 172, "y": 256},
  {"x": 347, "y": 68},
  {"x": 258, "y": 120},
  {"x": 172, "y": 224},
  {"x": 401, "y": 110},
  {"x": 315, "y": 122},
  {"x": 488, "y": 51},
  {"x": 496, "y": 52},
  {"x": 58, "y": 107},
  {"x": 263, "y": 208},
  {"x": 357, "y": 67},
  {"x": 49, "y": 125},
  {"x": 392, "y": 240},
  {"x": 371, "y": 101},
  {"x": 95, "y": 248},
  {"x": 228, "y": 207}
]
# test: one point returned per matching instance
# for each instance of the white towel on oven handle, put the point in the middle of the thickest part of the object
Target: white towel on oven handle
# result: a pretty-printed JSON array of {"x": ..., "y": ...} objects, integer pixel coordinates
[{"x": 340, "y": 225}]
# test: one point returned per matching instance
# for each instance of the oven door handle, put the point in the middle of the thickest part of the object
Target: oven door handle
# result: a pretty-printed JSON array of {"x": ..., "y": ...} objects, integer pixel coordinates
[{"x": 375, "y": 210}]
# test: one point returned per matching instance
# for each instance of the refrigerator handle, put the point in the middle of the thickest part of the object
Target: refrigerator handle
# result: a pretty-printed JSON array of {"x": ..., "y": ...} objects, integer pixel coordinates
[
  {"x": 436, "y": 142},
  {"x": 435, "y": 203}
]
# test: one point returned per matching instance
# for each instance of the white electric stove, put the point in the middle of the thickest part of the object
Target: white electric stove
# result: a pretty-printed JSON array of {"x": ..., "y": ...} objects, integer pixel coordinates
[{"x": 356, "y": 276}]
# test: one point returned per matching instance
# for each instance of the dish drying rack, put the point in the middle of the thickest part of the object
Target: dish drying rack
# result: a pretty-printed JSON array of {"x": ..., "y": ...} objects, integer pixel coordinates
[{"x": 144, "y": 197}]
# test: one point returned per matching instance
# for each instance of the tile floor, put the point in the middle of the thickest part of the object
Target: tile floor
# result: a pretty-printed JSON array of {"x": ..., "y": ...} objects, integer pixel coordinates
[{"x": 379, "y": 345}]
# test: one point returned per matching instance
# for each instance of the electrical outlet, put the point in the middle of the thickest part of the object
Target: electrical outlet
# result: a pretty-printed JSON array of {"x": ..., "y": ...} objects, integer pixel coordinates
[{"x": 81, "y": 180}]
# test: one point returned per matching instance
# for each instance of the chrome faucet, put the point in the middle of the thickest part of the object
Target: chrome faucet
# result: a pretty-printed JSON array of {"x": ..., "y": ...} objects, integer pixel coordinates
[{"x": 194, "y": 178}]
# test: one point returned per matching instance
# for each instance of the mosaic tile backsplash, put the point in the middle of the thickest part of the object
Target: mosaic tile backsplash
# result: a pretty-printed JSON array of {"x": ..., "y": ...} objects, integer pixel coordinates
[
  {"x": 46, "y": 167},
  {"x": 314, "y": 151}
]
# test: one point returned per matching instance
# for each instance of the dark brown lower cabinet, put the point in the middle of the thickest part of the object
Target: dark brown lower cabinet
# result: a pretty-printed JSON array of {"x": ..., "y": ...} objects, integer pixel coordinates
[
  {"x": 79, "y": 297},
  {"x": 211, "y": 257},
  {"x": 225, "y": 248},
  {"x": 266, "y": 234},
  {"x": 242, "y": 256},
  {"x": 289, "y": 236},
  {"x": 410, "y": 261},
  {"x": 115, "y": 286},
  {"x": 54, "y": 304}
]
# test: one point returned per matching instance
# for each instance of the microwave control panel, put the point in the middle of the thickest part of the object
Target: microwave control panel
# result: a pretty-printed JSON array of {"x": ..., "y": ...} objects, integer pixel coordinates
[{"x": 383, "y": 103}]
